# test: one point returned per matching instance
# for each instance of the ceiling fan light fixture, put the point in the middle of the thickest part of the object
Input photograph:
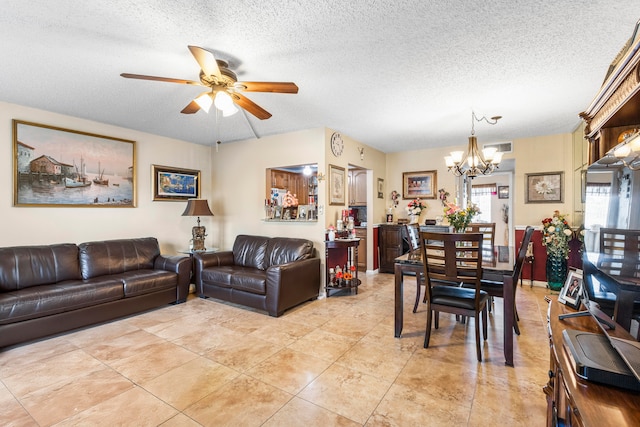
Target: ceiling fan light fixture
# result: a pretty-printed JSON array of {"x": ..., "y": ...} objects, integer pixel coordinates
[
  {"x": 222, "y": 100},
  {"x": 229, "y": 111},
  {"x": 204, "y": 101}
]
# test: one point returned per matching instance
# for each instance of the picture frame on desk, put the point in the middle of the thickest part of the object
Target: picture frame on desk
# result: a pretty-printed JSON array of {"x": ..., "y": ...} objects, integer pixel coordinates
[{"x": 572, "y": 289}]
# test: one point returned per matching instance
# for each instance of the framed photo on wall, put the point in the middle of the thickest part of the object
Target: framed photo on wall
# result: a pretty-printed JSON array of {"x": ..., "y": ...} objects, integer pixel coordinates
[
  {"x": 572, "y": 289},
  {"x": 380, "y": 188},
  {"x": 173, "y": 184},
  {"x": 544, "y": 187},
  {"x": 419, "y": 185},
  {"x": 336, "y": 185},
  {"x": 503, "y": 192},
  {"x": 57, "y": 167}
]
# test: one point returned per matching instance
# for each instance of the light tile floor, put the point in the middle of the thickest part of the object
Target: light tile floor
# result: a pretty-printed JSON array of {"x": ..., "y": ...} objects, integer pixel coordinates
[{"x": 331, "y": 362}]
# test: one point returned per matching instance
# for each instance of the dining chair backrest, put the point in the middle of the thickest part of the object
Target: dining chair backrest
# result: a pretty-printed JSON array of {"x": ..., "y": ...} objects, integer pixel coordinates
[
  {"x": 413, "y": 237},
  {"x": 488, "y": 230},
  {"x": 452, "y": 257},
  {"x": 522, "y": 253},
  {"x": 620, "y": 252}
]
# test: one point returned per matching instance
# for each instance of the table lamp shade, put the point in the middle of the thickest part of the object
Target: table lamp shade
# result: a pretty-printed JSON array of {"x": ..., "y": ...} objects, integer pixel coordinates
[{"x": 197, "y": 207}]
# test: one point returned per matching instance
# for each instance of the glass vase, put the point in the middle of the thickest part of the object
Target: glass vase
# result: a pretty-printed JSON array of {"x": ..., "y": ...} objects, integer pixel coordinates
[{"x": 556, "y": 272}]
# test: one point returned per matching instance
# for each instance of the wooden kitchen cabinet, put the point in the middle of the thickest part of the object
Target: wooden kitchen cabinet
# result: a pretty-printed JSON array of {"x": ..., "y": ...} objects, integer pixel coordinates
[
  {"x": 358, "y": 187},
  {"x": 295, "y": 183},
  {"x": 361, "y": 233}
]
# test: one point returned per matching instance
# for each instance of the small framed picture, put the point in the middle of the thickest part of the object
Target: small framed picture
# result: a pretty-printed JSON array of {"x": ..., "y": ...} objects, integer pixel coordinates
[
  {"x": 503, "y": 192},
  {"x": 572, "y": 289},
  {"x": 173, "y": 184},
  {"x": 380, "y": 188},
  {"x": 336, "y": 185},
  {"x": 302, "y": 212}
]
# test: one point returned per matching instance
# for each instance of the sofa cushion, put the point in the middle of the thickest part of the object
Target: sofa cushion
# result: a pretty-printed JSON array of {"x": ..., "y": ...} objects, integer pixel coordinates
[
  {"x": 117, "y": 256},
  {"x": 253, "y": 281},
  {"x": 249, "y": 251},
  {"x": 282, "y": 250},
  {"x": 25, "y": 266},
  {"x": 247, "y": 279},
  {"x": 65, "y": 296},
  {"x": 139, "y": 282}
]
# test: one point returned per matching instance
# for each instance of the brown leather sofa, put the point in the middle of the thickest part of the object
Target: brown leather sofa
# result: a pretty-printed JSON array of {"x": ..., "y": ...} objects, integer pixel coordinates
[
  {"x": 49, "y": 289},
  {"x": 270, "y": 274}
]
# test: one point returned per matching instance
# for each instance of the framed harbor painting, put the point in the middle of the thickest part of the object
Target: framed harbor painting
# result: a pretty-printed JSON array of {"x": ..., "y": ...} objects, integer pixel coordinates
[
  {"x": 57, "y": 167},
  {"x": 175, "y": 183}
]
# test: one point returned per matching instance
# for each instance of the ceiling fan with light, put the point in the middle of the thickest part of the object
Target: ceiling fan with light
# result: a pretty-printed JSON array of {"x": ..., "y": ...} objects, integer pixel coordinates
[{"x": 224, "y": 88}]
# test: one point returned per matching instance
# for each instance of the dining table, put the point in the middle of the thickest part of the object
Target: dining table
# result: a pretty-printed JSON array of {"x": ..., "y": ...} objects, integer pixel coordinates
[{"x": 497, "y": 265}]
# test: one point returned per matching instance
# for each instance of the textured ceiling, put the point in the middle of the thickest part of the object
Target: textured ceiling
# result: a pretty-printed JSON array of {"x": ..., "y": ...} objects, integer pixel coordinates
[{"x": 396, "y": 75}]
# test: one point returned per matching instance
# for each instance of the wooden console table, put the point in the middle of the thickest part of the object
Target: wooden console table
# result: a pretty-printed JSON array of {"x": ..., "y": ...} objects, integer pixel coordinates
[{"x": 572, "y": 401}]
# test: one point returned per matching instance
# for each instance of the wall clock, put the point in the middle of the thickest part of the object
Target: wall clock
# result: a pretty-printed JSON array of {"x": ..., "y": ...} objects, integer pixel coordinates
[{"x": 337, "y": 144}]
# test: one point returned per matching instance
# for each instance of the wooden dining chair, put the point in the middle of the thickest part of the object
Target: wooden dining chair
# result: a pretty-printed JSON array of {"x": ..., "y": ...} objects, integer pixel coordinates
[
  {"x": 495, "y": 288},
  {"x": 413, "y": 238},
  {"x": 454, "y": 258},
  {"x": 488, "y": 230}
]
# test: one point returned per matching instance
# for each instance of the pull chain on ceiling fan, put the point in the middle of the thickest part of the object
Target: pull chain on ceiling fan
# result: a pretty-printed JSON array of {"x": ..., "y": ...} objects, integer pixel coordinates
[{"x": 225, "y": 91}]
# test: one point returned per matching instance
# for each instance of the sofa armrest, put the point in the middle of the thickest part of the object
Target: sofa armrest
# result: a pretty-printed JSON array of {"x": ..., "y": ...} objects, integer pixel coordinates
[
  {"x": 203, "y": 260},
  {"x": 292, "y": 283},
  {"x": 180, "y": 265}
]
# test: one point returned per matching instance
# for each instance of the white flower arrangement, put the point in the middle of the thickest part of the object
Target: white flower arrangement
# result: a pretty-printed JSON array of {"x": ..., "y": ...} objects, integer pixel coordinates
[{"x": 544, "y": 187}]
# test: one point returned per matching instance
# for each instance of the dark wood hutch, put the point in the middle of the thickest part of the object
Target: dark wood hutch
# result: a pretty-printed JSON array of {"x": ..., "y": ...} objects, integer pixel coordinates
[
  {"x": 572, "y": 401},
  {"x": 616, "y": 107}
]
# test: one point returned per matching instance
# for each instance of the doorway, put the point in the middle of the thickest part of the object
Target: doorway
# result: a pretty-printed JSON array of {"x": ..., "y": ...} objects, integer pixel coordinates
[{"x": 493, "y": 194}]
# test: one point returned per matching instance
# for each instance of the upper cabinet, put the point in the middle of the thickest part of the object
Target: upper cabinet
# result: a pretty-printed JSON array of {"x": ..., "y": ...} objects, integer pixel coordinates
[
  {"x": 615, "y": 110},
  {"x": 357, "y": 187}
]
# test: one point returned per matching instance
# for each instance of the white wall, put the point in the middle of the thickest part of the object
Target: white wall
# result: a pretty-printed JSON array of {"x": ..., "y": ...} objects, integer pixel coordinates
[
  {"x": 45, "y": 225},
  {"x": 532, "y": 155}
]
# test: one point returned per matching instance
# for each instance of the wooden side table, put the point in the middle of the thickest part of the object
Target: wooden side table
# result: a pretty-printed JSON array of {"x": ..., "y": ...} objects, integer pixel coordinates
[{"x": 351, "y": 247}]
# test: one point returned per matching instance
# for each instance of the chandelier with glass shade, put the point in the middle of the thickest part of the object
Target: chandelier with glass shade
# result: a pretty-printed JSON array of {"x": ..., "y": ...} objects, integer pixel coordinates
[{"x": 474, "y": 162}]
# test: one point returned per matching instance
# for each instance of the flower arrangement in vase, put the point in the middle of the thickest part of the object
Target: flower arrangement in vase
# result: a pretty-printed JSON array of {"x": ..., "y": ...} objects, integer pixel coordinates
[
  {"x": 415, "y": 208},
  {"x": 460, "y": 218},
  {"x": 556, "y": 234}
]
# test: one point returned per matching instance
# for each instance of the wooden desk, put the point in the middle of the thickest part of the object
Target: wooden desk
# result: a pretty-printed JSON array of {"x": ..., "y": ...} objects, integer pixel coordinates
[
  {"x": 575, "y": 401},
  {"x": 492, "y": 269}
]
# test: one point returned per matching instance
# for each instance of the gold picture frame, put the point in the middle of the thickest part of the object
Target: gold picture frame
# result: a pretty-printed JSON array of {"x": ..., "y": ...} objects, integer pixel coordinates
[
  {"x": 421, "y": 185},
  {"x": 337, "y": 184},
  {"x": 58, "y": 167},
  {"x": 175, "y": 184}
]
